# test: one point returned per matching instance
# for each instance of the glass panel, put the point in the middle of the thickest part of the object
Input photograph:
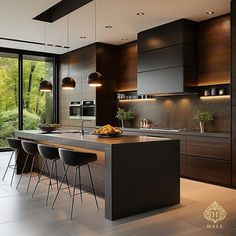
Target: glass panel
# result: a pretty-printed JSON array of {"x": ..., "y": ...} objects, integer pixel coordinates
[
  {"x": 8, "y": 96},
  {"x": 38, "y": 106}
]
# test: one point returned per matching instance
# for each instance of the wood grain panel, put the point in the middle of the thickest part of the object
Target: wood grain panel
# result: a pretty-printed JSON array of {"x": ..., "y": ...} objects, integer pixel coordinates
[
  {"x": 214, "y": 171},
  {"x": 218, "y": 148},
  {"x": 127, "y": 67},
  {"x": 214, "y": 51}
]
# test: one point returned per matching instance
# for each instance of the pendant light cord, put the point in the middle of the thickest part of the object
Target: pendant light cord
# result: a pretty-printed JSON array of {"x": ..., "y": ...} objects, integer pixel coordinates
[
  {"x": 45, "y": 40},
  {"x": 95, "y": 15},
  {"x": 68, "y": 40}
]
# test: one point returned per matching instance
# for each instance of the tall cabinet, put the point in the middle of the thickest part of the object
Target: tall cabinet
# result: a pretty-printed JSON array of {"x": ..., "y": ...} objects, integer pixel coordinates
[{"x": 79, "y": 64}]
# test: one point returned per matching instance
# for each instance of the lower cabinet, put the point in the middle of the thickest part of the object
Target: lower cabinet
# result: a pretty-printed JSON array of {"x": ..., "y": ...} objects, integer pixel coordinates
[
  {"x": 206, "y": 169},
  {"x": 204, "y": 158}
]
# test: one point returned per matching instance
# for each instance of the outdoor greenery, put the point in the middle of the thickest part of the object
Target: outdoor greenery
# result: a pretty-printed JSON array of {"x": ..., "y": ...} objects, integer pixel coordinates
[{"x": 37, "y": 105}]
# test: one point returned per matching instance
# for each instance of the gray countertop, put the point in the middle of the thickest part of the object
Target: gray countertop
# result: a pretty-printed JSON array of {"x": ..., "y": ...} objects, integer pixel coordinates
[
  {"x": 87, "y": 141},
  {"x": 190, "y": 133}
]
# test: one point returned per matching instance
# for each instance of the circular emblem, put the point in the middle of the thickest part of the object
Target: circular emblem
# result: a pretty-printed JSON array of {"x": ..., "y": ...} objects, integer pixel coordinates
[{"x": 215, "y": 213}]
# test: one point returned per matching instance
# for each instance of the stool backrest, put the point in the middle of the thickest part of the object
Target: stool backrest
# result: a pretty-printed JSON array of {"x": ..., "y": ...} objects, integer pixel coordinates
[
  {"x": 48, "y": 152},
  {"x": 14, "y": 143},
  {"x": 30, "y": 147}
]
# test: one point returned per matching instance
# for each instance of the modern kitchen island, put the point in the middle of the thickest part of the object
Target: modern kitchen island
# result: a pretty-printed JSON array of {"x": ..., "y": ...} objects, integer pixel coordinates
[{"x": 141, "y": 173}]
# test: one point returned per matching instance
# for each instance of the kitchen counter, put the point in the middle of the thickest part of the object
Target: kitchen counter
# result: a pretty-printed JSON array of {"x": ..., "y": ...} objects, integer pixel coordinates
[
  {"x": 189, "y": 133},
  {"x": 141, "y": 173}
]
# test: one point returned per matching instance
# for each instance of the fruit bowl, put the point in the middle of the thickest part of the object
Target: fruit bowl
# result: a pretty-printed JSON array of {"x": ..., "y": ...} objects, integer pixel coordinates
[
  {"x": 108, "y": 131},
  {"x": 49, "y": 127}
]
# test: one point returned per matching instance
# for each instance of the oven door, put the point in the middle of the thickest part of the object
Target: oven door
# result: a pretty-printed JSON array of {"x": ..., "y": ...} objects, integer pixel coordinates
[
  {"x": 75, "y": 111},
  {"x": 89, "y": 112}
]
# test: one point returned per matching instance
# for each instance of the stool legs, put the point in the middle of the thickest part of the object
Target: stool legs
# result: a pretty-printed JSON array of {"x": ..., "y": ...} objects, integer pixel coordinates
[
  {"x": 80, "y": 189},
  {"x": 50, "y": 179},
  {"x": 31, "y": 171},
  {"x": 40, "y": 175},
  {"x": 65, "y": 174},
  {"x": 73, "y": 195},
  {"x": 15, "y": 167},
  {"x": 94, "y": 193},
  {"x": 8, "y": 165},
  {"x": 23, "y": 169}
]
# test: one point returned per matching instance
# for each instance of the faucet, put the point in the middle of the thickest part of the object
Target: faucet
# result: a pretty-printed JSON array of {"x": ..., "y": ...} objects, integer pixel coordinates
[{"x": 82, "y": 126}]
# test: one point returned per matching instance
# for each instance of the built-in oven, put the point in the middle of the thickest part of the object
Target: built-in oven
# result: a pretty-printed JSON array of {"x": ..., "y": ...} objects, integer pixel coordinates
[
  {"x": 75, "y": 110},
  {"x": 88, "y": 110},
  {"x": 83, "y": 110}
]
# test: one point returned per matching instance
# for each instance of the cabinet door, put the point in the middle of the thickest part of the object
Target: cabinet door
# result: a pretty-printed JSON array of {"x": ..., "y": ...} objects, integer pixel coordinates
[
  {"x": 161, "y": 58},
  {"x": 177, "y": 32},
  {"x": 210, "y": 147},
  {"x": 209, "y": 170}
]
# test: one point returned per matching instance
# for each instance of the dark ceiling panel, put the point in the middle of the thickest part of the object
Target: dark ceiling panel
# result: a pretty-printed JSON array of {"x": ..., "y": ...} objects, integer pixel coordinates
[{"x": 61, "y": 9}]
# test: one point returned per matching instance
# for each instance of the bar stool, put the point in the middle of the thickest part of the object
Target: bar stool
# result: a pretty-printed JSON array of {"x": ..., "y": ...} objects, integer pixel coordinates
[
  {"x": 31, "y": 149},
  {"x": 76, "y": 159},
  {"x": 15, "y": 145},
  {"x": 49, "y": 153}
]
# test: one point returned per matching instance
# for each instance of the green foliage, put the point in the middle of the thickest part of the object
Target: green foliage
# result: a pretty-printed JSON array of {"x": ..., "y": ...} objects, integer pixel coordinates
[
  {"x": 203, "y": 116},
  {"x": 35, "y": 103},
  {"x": 9, "y": 123},
  {"x": 124, "y": 115}
]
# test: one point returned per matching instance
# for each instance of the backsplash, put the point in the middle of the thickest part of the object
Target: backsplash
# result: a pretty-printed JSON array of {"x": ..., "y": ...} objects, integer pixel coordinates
[{"x": 177, "y": 112}]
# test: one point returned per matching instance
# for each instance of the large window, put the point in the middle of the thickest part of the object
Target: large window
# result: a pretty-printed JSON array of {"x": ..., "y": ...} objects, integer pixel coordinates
[
  {"x": 25, "y": 107},
  {"x": 8, "y": 96},
  {"x": 38, "y": 106}
]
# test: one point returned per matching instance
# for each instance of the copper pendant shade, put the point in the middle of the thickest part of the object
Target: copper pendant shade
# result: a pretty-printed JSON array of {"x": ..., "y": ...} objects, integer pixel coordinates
[
  {"x": 95, "y": 79},
  {"x": 45, "y": 86},
  {"x": 68, "y": 83}
]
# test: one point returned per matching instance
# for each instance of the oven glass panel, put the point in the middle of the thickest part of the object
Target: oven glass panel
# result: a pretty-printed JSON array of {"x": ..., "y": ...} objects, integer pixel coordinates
[{"x": 75, "y": 111}]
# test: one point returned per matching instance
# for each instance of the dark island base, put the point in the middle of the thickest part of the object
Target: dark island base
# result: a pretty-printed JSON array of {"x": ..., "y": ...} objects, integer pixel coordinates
[{"x": 133, "y": 177}]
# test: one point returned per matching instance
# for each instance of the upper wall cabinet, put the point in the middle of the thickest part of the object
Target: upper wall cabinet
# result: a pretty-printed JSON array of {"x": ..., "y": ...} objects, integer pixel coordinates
[
  {"x": 178, "y": 32},
  {"x": 214, "y": 51}
]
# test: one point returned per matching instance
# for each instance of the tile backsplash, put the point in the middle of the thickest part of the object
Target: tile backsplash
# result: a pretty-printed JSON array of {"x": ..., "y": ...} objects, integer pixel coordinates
[{"x": 178, "y": 112}]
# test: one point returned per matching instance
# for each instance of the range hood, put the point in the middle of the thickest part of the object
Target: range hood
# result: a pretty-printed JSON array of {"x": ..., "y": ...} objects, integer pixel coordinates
[{"x": 167, "y": 59}]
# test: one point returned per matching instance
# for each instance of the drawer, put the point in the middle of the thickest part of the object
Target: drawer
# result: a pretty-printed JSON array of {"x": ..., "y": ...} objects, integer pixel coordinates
[
  {"x": 210, "y": 147},
  {"x": 209, "y": 170}
]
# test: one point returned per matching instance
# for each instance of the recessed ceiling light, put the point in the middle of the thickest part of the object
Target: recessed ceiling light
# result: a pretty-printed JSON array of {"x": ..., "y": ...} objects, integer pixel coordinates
[
  {"x": 210, "y": 12},
  {"x": 124, "y": 39},
  {"x": 108, "y": 26},
  {"x": 140, "y": 13},
  {"x": 83, "y": 37}
]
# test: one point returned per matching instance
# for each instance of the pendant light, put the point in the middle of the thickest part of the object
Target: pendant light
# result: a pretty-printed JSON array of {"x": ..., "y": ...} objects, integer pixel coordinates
[
  {"x": 45, "y": 85},
  {"x": 95, "y": 79},
  {"x": 68, "y": 83}
]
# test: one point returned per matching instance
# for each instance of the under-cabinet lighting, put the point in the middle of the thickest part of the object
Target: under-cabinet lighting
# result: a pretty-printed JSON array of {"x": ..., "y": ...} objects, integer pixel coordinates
[
  {"x": 137, "y": 100},
  {"x": 215, "y": 97}
]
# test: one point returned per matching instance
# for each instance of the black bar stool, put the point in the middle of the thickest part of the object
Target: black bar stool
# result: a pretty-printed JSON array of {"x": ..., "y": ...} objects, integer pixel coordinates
[
  {"x": 15, "y": 145},
  {"x": 76, "y": 159},
  {"x": 31, "y": 149},
  {"x": 49, "y": 153}
]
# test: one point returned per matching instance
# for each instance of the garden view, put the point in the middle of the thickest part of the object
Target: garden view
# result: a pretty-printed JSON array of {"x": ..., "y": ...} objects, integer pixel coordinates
[{"x": 37, "y": 106}]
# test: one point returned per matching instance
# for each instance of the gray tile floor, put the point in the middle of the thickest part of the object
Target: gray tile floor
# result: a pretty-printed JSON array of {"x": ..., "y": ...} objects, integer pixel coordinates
[{"x": 23, "y": 215}]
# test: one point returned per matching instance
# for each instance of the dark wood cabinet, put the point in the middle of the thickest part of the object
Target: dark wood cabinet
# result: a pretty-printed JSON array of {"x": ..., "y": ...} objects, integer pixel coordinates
[
  {"x": 209, "y": 147},
  {"x": 203, "y": 158},
  {"x": 214, "y": 51},
  {"x": 127, "y": 67},
  {"x": 178, "y": 32},
  {"x": 209, "y": 170}
]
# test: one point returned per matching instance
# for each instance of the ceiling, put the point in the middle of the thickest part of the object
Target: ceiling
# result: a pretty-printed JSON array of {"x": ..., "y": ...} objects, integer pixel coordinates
[{"x": 16, "y": 21}]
